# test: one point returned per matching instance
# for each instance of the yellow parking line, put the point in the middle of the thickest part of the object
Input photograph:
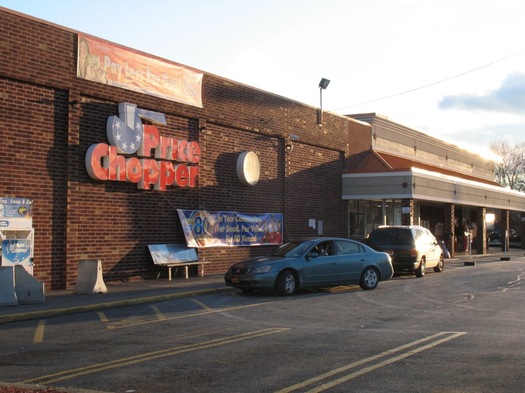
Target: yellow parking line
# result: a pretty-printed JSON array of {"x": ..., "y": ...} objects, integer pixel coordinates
[
  {"x": 102, "y": 317},
  {"x": 100, "y": 367},
  {"x": 338, "y": 381},
  {"x": 124, "y": 323},
  {"x": 39, "y": 332},
  {"x": 204, "y": 306},
  {"x": 158, "y": 313}
]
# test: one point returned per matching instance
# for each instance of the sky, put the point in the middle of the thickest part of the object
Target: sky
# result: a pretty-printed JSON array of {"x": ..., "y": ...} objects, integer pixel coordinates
[{"x": 454, "y": 69}]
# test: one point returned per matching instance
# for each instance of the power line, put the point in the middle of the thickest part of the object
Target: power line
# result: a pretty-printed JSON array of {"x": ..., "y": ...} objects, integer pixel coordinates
[{"x": 432, "y": 84}]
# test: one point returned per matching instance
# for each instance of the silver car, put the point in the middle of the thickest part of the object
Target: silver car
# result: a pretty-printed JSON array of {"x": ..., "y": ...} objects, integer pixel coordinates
[
  {"x": 311, "y": 263},
  {"x": 412, "y": 248}
]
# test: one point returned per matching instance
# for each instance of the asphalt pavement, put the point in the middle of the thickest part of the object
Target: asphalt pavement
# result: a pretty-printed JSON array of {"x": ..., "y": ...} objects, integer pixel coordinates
[{"x": 121, "y": 294}]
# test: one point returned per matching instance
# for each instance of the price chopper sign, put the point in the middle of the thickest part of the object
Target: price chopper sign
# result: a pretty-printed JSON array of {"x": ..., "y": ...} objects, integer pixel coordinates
[{"x": 158, "y": 161}]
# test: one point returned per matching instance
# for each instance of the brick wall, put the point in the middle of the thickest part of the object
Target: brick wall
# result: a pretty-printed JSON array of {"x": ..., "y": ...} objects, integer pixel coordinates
[{"x": 50, "y": 118}]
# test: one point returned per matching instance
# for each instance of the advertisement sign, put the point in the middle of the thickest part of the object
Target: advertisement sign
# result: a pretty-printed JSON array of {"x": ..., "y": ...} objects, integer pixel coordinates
[
  {"x": 105, "y": 62},
  {"x": 16, "y": 213},
  {"x": 167, "y": 254},
  {"x": 229, "y": 229},
  {"x": 17, "y": 252}
]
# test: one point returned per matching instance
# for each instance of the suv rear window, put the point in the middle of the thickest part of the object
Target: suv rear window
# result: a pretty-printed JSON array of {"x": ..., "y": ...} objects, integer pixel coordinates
[{"x": 391, "y": 236}]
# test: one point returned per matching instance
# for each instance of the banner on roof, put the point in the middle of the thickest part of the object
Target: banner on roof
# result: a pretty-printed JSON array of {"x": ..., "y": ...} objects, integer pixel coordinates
[
  {"x": 115, "y": 65},
  {"x": 229, "y": 229}
]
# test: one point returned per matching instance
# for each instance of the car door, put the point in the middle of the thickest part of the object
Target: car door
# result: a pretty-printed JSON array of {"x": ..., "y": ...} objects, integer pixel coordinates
[
  {"x": 351, "y": 260},
  {"x": 320, "y": 266}
]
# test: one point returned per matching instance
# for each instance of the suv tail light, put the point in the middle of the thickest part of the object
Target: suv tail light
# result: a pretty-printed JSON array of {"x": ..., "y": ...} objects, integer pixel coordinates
[{"x": 413, "y": 253}]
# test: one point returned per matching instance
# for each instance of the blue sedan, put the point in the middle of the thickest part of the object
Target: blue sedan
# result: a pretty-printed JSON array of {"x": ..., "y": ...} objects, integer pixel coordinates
[{"x": 312, "y": 263}]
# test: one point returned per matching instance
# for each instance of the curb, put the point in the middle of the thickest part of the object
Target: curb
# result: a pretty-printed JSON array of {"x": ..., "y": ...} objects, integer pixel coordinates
[{"x": 107, "y": 305}]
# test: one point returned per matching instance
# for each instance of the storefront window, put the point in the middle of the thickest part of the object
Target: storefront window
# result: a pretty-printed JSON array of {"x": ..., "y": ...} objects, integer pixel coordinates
[{"x": 367, "y": 215}]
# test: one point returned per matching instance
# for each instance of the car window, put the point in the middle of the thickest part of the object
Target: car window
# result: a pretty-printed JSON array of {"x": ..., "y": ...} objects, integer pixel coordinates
[
  {"x": 292, "y": 249},
  {"x": 419, "y": 234},
  {"x": 390, "y": 236},
  {"x": 323, "y": 249},
  {"x": 345, "y": 248}
]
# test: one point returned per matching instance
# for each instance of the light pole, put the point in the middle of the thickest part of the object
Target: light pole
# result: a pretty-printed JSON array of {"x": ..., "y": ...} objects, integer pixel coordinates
[{"x": 322, "y": 86}]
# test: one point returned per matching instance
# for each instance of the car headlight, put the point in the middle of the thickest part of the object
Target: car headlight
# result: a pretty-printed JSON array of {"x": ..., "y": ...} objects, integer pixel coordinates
[{"x": 262, "y": 269}]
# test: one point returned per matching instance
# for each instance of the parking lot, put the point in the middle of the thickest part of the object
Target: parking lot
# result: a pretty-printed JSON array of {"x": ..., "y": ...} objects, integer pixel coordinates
[{"x": 460, "y": 330}]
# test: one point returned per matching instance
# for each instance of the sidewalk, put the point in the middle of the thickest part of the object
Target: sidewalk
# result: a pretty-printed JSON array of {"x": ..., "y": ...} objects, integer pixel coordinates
[{"x": 121, "y": 294}]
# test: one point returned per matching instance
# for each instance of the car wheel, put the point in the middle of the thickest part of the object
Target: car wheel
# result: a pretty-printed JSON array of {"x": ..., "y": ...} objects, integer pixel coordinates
[
  {"x": 420, "y": 272},
  {"x": 441, "y": 265},
  {"x": 369, "y": 279},
  {"x": 286, "y": 283}
]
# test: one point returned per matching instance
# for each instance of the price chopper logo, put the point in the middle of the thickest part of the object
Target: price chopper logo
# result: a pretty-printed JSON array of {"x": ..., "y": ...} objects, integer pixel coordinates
[{"x": 163, "y": 161}]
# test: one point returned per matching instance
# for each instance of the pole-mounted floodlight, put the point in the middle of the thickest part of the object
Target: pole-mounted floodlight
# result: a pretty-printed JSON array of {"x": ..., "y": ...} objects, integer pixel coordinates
[{"x": 322, "y": 85}]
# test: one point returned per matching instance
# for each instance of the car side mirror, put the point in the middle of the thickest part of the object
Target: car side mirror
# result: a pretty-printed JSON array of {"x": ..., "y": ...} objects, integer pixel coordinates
[{"x": 312, "y": 255}]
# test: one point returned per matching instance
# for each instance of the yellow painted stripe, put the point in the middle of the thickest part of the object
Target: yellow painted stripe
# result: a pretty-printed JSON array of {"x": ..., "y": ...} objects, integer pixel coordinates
[
  {"x": 39, "y": 332},
  {"x": 204, "y": 306},
  {"x": 338, "y": 381},
  {"x": 99, "y": 367},
  {"x": 158, "y": 313},
  {"x": 102, "y": 317},
  {"x": 125, "y": 323}
]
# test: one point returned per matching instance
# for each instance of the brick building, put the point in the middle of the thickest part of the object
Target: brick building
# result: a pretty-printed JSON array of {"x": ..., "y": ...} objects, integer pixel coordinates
[
  {"x": 53, "y": 114},
  {"x": 51, "y": 117}
]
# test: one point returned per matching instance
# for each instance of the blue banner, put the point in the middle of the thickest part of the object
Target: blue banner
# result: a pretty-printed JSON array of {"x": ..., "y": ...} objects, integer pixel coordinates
[{"x": 230, "y": 229}]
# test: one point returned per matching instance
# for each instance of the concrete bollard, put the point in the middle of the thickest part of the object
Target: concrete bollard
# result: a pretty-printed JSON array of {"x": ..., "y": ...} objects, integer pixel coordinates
[
  {"x": 7, "y": 286},
  {"x": 28, "y": 289},
  {"x": 89, "y": 279}
]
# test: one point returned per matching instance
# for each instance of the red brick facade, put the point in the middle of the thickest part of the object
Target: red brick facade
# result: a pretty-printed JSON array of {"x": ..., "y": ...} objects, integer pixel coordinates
[{"x": 50, "y": 118}]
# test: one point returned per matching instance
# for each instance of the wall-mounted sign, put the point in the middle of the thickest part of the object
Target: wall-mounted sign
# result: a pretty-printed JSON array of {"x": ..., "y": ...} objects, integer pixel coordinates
[
  {"x": 17, "y": 252},
  {"x": 226, "y": 229},
  {"x": 248, "y": 168},
  {"x": 163, "y": 161},
  {"x": 105, "y": 62},
  {"x": 16, "y": 213}
]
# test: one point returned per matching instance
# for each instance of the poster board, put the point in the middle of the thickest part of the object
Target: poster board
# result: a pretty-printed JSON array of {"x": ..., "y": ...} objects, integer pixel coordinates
[{"x": 171, "y": 254}]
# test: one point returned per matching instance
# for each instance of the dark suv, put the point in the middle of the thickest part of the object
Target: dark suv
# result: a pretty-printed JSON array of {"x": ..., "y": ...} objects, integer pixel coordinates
[{"x": 412, "y": 248}]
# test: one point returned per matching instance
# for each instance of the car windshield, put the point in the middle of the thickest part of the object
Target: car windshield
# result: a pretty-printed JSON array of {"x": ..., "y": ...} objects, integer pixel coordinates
[{"x": 293, "y": 249}]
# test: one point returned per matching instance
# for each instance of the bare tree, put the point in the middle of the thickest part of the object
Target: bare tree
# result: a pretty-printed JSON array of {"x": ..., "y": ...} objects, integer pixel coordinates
[{"x": 510, "y": 171}]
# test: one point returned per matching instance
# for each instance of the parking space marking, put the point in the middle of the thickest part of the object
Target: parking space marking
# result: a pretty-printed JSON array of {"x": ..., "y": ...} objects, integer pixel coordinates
[
  {"x": 158, "y": 313},
  {"x": 204, "y": 306},
  {"x": 123, "y": 323},
  {"x": 39, "y": 332},
  {"x": 145, "y": 357},
  {"x": 419, "y": 344},
  {"x": 102, "y": 317}
]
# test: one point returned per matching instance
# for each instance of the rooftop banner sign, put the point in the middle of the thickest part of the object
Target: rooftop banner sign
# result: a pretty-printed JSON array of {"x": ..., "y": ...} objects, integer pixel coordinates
[
  {"x": 104, "y": 62},
  {"x": 229, "y": 229}
]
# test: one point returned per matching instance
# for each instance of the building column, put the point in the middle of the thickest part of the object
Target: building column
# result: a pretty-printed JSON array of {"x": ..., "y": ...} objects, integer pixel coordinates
[
  {"x": 479, "y": 243},
  {"x": 407, "y": 212},
  {"x": 522, "y": 230},
  {"x": 505, "y": 229},
  {"x": 448, "y": 229}
]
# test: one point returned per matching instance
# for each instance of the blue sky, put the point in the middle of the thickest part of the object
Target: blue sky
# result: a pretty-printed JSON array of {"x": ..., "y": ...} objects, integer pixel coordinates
[{"x": 454, "y": 69}]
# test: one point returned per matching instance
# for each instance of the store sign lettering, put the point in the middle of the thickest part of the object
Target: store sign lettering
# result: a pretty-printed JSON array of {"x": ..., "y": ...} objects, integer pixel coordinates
[{"x": 159, "y": 161}]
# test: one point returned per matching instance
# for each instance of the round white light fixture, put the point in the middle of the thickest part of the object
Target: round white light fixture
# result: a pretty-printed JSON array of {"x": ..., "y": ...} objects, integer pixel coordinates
[{"x": 248, "y": 168}]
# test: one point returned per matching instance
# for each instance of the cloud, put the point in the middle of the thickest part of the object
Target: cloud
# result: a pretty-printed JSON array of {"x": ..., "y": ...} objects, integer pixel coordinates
[{"x": 508, "y": 98}]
